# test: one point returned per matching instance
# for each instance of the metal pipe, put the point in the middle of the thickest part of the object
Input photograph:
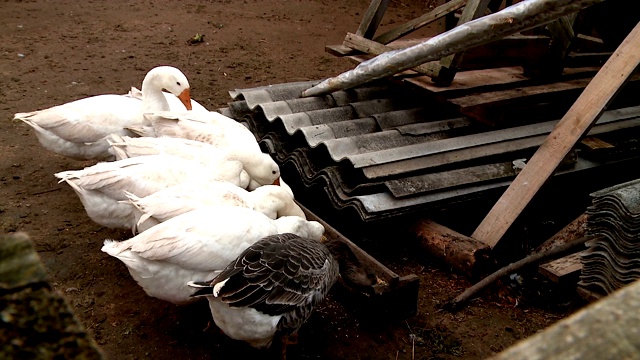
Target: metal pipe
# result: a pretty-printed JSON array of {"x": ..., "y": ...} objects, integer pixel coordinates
[{"x": 521, "y": 16}]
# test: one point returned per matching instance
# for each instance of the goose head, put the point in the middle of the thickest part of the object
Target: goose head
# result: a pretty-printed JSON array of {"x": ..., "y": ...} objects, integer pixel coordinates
[
  {"x": 274, "y": 201},
  {"x": 356, "y": 274},
  {"x": 170, "y": 79},
  {"x": 261, "y": 167},
  {"x": 299, "y": 226}
]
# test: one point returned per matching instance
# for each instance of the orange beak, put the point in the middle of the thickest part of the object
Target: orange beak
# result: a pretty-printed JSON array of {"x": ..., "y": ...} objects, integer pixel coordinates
[
  {"x": 185, "y": 98},
  {"x": 276, "y": 182}
]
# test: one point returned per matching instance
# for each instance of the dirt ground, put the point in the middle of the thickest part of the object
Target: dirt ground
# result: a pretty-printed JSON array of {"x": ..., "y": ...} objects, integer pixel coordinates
[{"x": 52, "y": 52}]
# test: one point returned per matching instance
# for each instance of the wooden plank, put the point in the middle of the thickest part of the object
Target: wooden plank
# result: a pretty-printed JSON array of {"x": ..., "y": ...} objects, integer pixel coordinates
[
  {"x": 593, "y": 143},
  {"x": 372, "y": 18},
  {"x": 340, "y": 50},
  {"x": 428, "y": 18},
  {"x": 586, "y": 59},
  {"x": 494, "y": 106},
  {"x": 528, "y": 92},
  {"x": 606, "y": 329},
  {"x": 532, "y": 93},
  {"x": 464, "y": 254},
  {"x": 564, "y": 270},
  {"x": 576, "y": 122}
]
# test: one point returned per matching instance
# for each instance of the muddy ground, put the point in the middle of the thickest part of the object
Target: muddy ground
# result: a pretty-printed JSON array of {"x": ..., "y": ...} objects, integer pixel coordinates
[{"x": 52, "y": 52}]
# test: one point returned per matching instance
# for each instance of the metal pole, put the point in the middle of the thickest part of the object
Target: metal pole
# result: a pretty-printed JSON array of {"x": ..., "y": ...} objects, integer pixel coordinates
[{"x": 521, "y": 16}]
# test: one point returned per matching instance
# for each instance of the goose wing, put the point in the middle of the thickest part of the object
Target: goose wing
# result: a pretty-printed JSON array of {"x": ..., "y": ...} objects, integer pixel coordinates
[{"x": 277, "y": 275}]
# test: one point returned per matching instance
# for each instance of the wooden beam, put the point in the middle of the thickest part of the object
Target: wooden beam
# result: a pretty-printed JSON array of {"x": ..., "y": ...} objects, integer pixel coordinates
[
  {"x": 576, "y": 122},
  {"x": 372, "y": 18},
  {"x": 419, "y": 22},
  {"x": 466, "y": 255}
]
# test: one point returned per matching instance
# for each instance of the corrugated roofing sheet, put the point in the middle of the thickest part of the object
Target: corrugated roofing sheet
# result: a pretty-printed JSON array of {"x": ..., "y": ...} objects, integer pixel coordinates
[{"x": 385, "y": 149}]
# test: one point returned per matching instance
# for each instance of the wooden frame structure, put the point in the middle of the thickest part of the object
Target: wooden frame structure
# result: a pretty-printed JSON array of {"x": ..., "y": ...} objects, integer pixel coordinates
[{"x": 550, "y": 69}]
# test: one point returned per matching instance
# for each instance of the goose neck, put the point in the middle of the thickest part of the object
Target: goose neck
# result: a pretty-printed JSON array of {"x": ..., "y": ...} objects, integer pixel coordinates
[{"x": 152, "y": 97}]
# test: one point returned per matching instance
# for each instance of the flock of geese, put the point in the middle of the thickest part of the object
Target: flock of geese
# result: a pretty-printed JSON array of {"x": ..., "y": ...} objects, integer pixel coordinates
[{"x": 210, "y": 214}]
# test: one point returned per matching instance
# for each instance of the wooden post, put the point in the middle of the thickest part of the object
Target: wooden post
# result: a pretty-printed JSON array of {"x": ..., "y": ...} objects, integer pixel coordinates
[
  {"x": 448, "y": 66},
  {"x": 372, "y": 18},
  {"x": 419, "y": 22},
  {"x": 576, "y": 122}
]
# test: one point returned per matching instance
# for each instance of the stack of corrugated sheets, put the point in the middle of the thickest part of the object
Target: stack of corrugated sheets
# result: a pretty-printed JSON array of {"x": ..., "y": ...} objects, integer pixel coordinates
[
  {"x": 612, "y": 259},
  {"x": 383, "y": 149}
]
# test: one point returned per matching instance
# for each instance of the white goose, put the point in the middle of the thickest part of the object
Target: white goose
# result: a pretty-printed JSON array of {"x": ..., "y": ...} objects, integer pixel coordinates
[
  {"x": 273, "y": 201},
  {"x": 175, "y": 104},
  {"x": 78, "y": 129},
  {"x": 196, "y": 245},
  {"x": 274, "y": 285},
  {"x": 212, "y": 127},
  {"x": 101, "y": 187},
  {"x": 260, "y": 167}
]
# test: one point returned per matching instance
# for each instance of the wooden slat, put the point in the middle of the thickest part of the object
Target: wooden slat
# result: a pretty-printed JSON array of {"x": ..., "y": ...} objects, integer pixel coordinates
[
  {"x": 593, "y": 143},
  {"x": 563, "y": 270},
  {"x": 576, "y": 122},
  {"x": 528, "y": 92},
  {"x": 372, "y": 18},
  {"x": 586, "y": 59},
  {"x": 448, "y": 65},
  {"x": 419, "y": 22},
  {"x": 340, "y": 50}
]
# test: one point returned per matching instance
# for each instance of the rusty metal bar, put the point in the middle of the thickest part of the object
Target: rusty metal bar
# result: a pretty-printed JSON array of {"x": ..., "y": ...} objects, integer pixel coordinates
[{"x": 521, "y": 16}]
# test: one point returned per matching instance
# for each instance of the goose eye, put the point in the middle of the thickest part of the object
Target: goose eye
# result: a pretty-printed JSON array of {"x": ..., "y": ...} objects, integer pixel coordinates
[
  {"x": 178, "y": 83},
  {"x": 273, "y": 172}
]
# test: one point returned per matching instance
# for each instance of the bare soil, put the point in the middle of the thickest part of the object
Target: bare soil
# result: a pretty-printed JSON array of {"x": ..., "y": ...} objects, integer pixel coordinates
[{"x": 52, "y": 52}]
